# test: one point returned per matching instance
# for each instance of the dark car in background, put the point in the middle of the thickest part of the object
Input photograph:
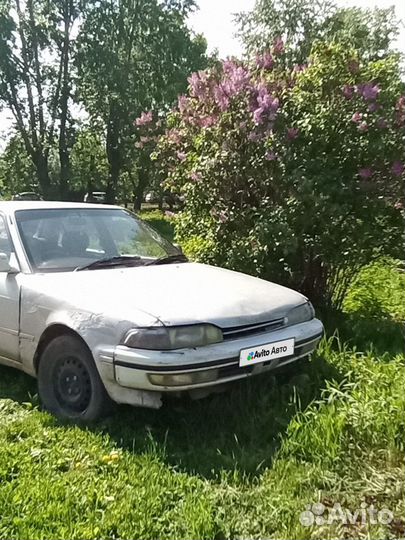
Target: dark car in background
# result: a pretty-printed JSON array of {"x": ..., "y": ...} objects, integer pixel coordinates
[
  {"x": 95, "y": 197},
  {"x": 27, "y": 196}
]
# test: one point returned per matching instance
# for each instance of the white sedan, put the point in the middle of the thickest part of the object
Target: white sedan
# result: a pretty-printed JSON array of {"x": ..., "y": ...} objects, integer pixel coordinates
[{"x": 99, "y": 307}]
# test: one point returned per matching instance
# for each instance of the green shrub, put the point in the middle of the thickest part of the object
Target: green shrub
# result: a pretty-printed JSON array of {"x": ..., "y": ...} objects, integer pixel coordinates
[{"x": 291, "y": 176}]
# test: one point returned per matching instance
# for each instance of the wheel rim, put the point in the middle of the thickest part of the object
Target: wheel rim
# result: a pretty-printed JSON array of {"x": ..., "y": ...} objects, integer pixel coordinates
[{"x": 72, "y": 385}]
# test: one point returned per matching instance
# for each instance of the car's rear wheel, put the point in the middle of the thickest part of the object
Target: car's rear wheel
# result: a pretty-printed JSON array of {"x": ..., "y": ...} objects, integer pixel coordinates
[{"x": 68, "y": 381}]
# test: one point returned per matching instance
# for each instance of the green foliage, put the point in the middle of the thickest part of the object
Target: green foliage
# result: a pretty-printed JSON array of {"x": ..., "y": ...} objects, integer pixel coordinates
[
  {"x": 133, "y": 56},
  {"x": 17, "y": 172},
  {"x": 301, "y": 23},
  {"x": 36, "y": 80},
  {"x": 292, "y": 176},
  {"x": 159, "y": 221},
  {"x": 88, "y": 161},
  {"x": 244, "y": 464},
  {"x": 378, "y": 292}
]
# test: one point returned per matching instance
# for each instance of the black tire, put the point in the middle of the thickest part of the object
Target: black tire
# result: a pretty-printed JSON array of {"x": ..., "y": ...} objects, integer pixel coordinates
[{"x": 69, "y": 385}]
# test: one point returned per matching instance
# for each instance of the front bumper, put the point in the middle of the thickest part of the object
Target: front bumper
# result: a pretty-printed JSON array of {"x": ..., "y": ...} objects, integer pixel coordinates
[{"x": 134, "y": 368}]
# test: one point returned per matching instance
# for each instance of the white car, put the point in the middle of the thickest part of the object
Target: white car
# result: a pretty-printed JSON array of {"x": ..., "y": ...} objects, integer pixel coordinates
[{"x": 99, "y": 307}]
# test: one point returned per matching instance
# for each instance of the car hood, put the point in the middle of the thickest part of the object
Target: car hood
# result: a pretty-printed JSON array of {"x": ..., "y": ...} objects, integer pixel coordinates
[{"x": 172, "y": 294}]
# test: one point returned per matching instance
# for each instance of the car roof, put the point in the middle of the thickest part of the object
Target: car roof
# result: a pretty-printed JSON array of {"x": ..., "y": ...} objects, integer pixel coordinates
[{"x": 9, "y": 207}]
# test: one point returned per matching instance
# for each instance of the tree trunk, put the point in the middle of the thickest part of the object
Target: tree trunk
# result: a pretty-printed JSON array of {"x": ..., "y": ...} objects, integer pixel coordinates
[
  {"x": 42, "y": 170},
  {"x": 64, "y": 157},
  {"x": 140, "y": 189},
  {"x": 114, "y": 157}
]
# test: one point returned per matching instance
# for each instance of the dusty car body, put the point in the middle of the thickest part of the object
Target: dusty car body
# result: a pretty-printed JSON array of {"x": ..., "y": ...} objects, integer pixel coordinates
[{"x": 151, "y": 324}]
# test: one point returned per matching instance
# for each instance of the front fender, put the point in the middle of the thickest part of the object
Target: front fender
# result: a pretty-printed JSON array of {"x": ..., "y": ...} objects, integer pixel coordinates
[{"x": 39, "y": 312}]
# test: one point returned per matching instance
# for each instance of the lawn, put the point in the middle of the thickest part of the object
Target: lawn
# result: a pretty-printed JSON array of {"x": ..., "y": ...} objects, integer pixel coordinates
[{"x": 244, "y": 464}]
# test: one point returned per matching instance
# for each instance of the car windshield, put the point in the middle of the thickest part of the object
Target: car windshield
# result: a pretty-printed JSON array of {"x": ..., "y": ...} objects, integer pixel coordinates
[{"x": 69, "y": 238}]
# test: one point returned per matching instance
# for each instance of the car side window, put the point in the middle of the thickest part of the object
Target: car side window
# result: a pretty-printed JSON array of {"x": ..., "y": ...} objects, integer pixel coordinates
[{"x": 5, "y": 243}]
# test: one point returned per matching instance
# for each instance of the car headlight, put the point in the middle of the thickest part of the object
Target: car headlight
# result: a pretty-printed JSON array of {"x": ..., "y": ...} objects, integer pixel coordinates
[
  {"x": 170, "y": 338},
  {"x": 303, "y": 313}
]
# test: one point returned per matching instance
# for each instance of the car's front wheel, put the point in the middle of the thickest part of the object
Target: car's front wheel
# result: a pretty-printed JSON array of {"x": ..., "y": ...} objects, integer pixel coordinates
[{"x": 68, "y": 381}]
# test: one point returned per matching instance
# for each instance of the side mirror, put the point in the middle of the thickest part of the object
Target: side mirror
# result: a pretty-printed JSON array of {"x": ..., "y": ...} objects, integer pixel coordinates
[{"x": 5, "y": 265}]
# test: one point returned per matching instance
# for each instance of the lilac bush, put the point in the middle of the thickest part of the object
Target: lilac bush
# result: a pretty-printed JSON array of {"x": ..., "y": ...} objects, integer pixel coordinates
[{"x": 295, "y": 176}]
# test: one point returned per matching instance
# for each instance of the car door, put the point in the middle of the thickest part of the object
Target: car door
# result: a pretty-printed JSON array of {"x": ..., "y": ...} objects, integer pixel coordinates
[{"x": 9, "y": 300}]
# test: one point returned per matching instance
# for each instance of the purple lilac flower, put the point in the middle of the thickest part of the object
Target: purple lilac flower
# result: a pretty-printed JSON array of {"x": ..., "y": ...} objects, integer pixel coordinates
[
  {"x": 356, "y": 118},
  {"x": 397, "y": 168},
  {"x": 220, "y": 215},
  {"x": 174, "y": 136},
  {"x": 221, "y": 97},
  {"x": 206, "y": 121},
  {"x": 373, "y": 107},
  {"x": 266, "y": 106},
  {"x": 198, "y": 84},
  {"x": 181, "y": 156},
  {"x": 243, "y": 125},
  {"x": 145, "y": 118},
  {"x": 182, "y": 103},
  {"x": 382, "y": 123},
  {"x": 265, "y": 61},
  {"x": 254, "y": 136},
  {"x": 400, "y": 114},
  {"x": 370, "y": 91},
  {"x": 237, "y": 78},
  {"x": 258, "y": 116},
  {"x": 366, "y": 173},
  {"x": 353, "y": 66},
  {"x": 270, "y": 155},
  {"x": 348, "y": 91},
  {"x": 169, "y": 214},
  {"x": 292, "y": 133},
  {"x": 399, "y": 205},
  {"x": 298, "y": 68},
  {"x": 363, "y": 127},
  {"x": 196, "y": 176},
  {"x": 278, "y": 46}
]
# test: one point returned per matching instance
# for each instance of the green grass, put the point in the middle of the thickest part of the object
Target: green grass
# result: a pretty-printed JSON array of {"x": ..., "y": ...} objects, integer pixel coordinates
[
  {"x": 244, "y": 464},
  {"x": 159, "y": 221}
]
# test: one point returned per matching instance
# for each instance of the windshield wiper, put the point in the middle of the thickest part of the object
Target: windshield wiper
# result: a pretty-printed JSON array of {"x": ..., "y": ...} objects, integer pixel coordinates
[
  {"x": 107, "y": 262},
  {"x": 179, "y": 257}
]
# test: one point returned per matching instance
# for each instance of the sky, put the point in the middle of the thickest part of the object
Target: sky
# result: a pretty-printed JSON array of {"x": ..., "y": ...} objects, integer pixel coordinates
[{"x": 214, "y": 19}]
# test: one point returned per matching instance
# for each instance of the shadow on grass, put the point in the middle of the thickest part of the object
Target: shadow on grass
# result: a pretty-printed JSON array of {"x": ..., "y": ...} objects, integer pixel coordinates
[
  {"x": 238, "y": 431},
  {"x": 16, "y": 385},
  {"x": 382, "y": 335}
]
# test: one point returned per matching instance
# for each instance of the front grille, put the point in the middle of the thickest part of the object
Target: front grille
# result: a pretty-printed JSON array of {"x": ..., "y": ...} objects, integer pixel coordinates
[{"x": 237, "y": 332}]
